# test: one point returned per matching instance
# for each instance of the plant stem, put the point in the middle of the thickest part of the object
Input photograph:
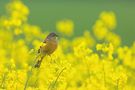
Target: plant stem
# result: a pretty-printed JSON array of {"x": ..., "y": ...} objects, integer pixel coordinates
[
  {"x": 53, "y": 85},
  {"x": 117, "y": 86},
  {"x": 30, "y": 72},
  {"x": 4, "y": 77},
  {"x": 104, "y": 76}
]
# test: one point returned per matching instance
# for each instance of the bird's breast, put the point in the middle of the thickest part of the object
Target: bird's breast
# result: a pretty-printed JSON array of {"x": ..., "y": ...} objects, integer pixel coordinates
[{"x": 49, "y": 48}]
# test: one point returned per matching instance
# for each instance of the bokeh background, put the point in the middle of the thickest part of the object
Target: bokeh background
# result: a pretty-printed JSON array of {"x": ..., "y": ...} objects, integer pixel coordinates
[
  {"x": 45, "y": 13},
  {"x": 96, "y": 49}
]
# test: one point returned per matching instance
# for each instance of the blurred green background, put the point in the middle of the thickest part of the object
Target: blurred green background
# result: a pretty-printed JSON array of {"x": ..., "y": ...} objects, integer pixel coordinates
[{"x": 45, "y": 13}]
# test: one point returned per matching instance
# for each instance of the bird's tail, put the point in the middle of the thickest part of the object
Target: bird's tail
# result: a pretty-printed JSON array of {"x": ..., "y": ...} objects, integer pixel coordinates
[{"x": 38, "y": 63}]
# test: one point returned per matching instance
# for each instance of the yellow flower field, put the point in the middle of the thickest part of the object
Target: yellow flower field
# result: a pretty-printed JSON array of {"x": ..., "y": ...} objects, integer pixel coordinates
[{"x": 96, "y": 60}]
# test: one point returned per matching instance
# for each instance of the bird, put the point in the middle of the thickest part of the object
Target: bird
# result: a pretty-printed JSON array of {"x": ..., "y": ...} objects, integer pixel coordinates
[{"x": 50, "y": 44}]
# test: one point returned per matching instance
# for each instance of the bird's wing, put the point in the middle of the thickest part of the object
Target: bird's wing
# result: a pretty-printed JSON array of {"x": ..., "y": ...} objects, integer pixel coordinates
[
  {"x": 45, "y": 41},
  {"x": 43, "y": 44}
]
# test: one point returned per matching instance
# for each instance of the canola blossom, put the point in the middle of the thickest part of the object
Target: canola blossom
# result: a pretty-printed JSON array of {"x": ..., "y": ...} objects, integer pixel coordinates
[{"x": 95, "y": 60}]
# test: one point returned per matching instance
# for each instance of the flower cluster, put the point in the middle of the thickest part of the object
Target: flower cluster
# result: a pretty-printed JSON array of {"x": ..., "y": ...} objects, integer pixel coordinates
[
  {"x": 96, "y": 60},
  {"x": 65, "y": 27}
]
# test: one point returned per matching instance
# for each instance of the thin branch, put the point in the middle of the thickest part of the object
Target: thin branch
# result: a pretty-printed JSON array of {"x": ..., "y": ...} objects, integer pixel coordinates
[
  {"x": 4, "y": 77},
  {"x": 30, "y": 72},
  {"x": 104, "y": 75},
  {"x": 53, "y": 85},
  {"x": 117, "y": 84}
]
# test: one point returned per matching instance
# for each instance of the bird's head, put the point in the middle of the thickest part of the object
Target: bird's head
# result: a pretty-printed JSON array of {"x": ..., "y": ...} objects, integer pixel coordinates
[{"x": 52, "y": 36}]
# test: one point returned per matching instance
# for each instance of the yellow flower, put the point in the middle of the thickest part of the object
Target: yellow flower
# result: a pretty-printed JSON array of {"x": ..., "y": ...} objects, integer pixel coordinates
[
  {"x": 37, "y": 44},
  {"x": 108, "y": 19},
  {"x": 86, "y": 38},
  {"x": 65, "y": 27},
  {"x": 106, "y": 48},
  {"x": 113, "y": 38},
  {"x": 99, "y": 29},
  {"x": 80, "y": 63},
  {"x": 17, "y": 31}
]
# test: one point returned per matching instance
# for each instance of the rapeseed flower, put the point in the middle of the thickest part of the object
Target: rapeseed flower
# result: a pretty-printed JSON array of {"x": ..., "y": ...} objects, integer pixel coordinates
[
  {"x": 94, "y": 60},
  {"x": 65, "y": 27}
]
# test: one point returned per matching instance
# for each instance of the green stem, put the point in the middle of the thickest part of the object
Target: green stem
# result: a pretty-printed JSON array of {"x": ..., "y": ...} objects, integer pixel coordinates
[
  {"x": 56, "y": 79},
  {"x": 104, "y": 75},
  {"x": 30, "y": 72},
  {"x": 4, "y": 77},
  {"x": 36, "y": 82},
  {"x": 117, "y": 86},
  {"x": 28, "y": 79}
]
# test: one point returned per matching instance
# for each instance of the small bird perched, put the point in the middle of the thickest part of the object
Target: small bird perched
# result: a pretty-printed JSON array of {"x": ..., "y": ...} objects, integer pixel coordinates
[{"x": 50, "y": 45}]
